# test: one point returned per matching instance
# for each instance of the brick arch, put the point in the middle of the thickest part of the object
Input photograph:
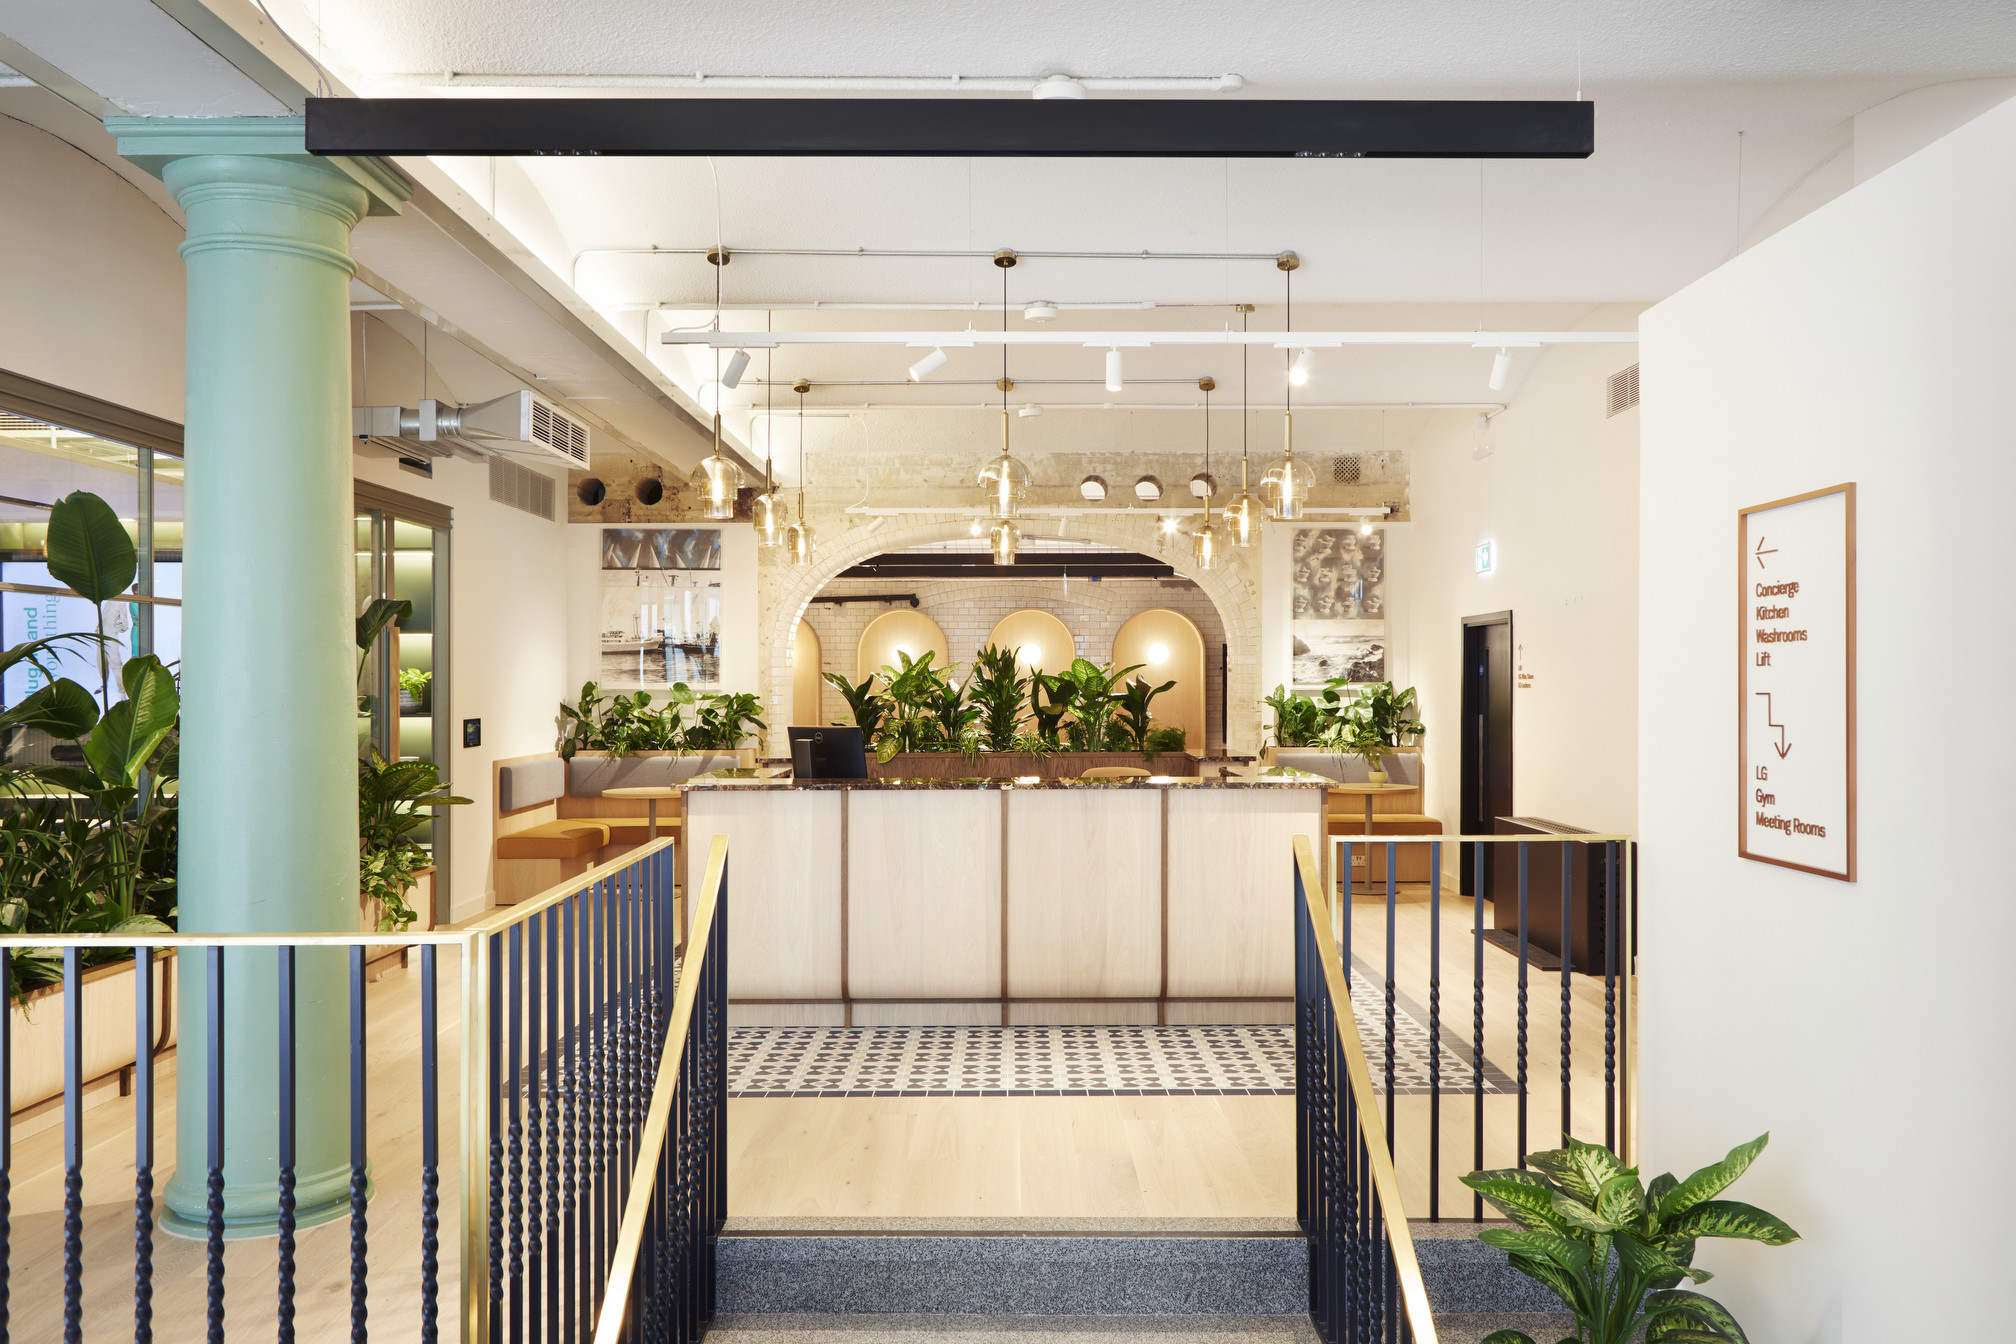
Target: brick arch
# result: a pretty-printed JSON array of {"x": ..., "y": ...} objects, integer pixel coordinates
[{"x": 1233, "y": 589}]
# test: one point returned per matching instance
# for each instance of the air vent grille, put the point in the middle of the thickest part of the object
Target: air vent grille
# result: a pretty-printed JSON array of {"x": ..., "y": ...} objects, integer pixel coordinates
[
  {"x": 1623, "y": 390},
  {"x": 565, "y": 436},
  {"x": 520, "y": 487},
  {"x": 19, "y": 424},
  {"x": 1344, "y": 470}
]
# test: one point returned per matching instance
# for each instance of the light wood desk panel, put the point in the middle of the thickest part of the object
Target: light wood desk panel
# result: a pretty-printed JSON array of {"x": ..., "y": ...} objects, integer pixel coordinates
[
  {"x": 1085, "y": 894},
  {"x": 1231, "y": 889},
  {"x": 783, "y": 887},
  {"x": 924, "y": 885}
]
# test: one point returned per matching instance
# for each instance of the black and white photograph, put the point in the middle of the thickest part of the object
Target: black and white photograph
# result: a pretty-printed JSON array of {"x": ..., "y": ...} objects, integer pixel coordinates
[
  {"x": 1340, "y": 574},
  {"x": 1327, "y": 650},
  {"x": 661, "y": 548},
  {"x": 661, "y": 607}
]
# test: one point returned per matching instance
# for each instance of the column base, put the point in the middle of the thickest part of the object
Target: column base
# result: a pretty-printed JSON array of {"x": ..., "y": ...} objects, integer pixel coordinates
[{"x": 253, "y": 1210}]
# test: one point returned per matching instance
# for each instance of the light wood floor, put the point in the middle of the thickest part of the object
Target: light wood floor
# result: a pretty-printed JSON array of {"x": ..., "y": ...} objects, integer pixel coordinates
[{"x": 1169, "y": 1157}]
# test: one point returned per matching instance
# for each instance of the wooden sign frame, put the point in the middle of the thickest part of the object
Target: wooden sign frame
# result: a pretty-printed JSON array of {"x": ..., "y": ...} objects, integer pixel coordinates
[{"x": 1743, "y": 707}]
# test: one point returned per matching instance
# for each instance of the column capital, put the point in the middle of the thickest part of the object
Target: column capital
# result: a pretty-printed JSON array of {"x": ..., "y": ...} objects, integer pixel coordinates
[{"x": 154, "y": 142}]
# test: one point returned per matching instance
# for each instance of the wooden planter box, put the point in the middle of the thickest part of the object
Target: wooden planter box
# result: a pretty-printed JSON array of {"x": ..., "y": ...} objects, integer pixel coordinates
[
  {"x": 1016, "y": 764},
  {"x": 36, "y": 1073}
]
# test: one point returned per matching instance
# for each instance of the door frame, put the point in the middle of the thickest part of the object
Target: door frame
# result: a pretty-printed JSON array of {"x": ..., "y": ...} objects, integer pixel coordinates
[{"x": 1466, "y": 861}]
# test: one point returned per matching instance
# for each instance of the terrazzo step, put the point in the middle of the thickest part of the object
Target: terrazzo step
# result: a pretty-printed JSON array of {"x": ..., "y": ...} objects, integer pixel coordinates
[
  {"x": 866, "y": 1328},
  {"x": 1464, "y": 1276},
  {"x": 1016, "y": 1267}
]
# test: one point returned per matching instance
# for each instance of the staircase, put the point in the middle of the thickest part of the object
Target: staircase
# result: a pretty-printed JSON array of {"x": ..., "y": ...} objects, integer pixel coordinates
[{"x": 1084, "y": 1280}]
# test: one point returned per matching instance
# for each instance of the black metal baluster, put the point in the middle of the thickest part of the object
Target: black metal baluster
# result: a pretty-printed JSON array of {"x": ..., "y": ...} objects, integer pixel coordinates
[
  {"x": 7, "y": 1145},
  {"x": 572, "y": 1305},
  {"x": 143, "y": 1146},
  {"x": 1392, "y": 945},
  {"x": 598, "y": 1148},
  {"x": 430, "y": 1149},
  {"x": 1523, "y": 957},
  {"x": 1434, "y": 1031},
  {"x": 552, "y": 1152},
  {"x": 1611, "y": 920},
  {"x": 214, "y": 1141},
  {"x": 73, "y": 1145},
  {"x": 717, "y": 987},
  {"x": 1477, "y": 1026},
  {"x": 535, "y": 1222},
  {"x": 494, "y": 1204},
  {"x": 514, "y": 1073},
  {"x": 360, "y": 1185},
  {"x": 1567, "y": 998},
  {"x": 285, "y": 993}
]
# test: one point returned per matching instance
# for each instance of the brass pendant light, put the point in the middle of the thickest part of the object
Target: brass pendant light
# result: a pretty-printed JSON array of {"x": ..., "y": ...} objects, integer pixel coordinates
[
  {"x": 1005, "y": 480},
  {"x": 1288, "y": 479},
  {"x": 1243, "y": 512},
  {"x": 1004, "y": 539},
  {"x": 798, "y": 536},
  {"x": 1206, "y": 539},
  {"x": 766, "y": 511}
]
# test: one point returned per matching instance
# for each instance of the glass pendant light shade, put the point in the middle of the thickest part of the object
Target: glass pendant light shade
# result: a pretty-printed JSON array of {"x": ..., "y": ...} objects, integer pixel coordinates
[
  {"x": 1288, "y": 481},
  {"x": 1243, "y": 514},
  {"x": 720, "y": 482},
  {"x": 767, "y": 512},
  {"x": 1006, "y": 482},
  {"x": 1004, "y": 538},
  {"x": 798, "y": 542},
  {"x": 1207, "y": 543}
]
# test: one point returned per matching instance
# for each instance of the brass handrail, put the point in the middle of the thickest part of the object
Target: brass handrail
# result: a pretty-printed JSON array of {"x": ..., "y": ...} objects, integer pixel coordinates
[
  {"x": 1385, "y": 1183},
  {"x": 651, "y": 1142}
]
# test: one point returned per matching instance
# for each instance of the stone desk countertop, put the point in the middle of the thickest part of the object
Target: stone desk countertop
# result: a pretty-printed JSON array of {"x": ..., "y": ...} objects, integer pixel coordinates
[{"x": 1277, "y": 778}]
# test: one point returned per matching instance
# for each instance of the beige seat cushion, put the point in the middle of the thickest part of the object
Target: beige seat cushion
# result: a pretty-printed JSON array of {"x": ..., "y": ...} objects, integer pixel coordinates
[
  {"x": 1352, "y": 822},
  {"x": 637, "y": 830},
  {"x": 1116, "y": 772},
  {"x": 554, "y": 840}
]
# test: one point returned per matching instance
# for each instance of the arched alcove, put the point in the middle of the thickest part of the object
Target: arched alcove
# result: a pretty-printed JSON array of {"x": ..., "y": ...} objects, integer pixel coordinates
[
  {"x": 806, "y": 656},
  {"x": 1232, "y": 588},
  {"x": 1041, "y": 641},
  {"x": 899, "y": 631},
  {"x": 1169, "y": 647}
]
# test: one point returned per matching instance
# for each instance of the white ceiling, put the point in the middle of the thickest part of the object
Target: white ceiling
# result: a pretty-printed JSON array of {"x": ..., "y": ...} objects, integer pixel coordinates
[{"x": 1718, "y": 121}]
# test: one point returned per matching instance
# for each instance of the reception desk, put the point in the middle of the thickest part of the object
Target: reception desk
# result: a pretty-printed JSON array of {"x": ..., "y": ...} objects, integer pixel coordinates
[{"x": 1007, "y": 902}]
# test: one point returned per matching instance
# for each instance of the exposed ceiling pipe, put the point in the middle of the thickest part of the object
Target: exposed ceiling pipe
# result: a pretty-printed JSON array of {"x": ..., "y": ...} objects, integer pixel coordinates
[
  {"x": 962, "y": 306},
  {"x": 1106, "y": 340},
  {"x": 574, "y": 265},
  {"x": 933, "y": 84},
  {"x": 837, "y": 409}
]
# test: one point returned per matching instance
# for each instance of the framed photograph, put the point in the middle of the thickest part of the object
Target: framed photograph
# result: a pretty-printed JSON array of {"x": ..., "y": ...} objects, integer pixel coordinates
[
  {"x": 661, "y": 607},
  {"x": 1340, "y": 606}
]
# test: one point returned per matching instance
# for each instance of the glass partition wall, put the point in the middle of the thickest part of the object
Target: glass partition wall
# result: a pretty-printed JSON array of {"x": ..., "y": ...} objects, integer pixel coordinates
[{"x": 402, "y": 700}]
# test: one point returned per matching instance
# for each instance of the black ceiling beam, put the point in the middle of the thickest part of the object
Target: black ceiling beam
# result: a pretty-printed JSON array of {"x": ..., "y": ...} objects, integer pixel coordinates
[
  {"x": 1115, "y": 128},
  {"x": 1026, "y": 568}
]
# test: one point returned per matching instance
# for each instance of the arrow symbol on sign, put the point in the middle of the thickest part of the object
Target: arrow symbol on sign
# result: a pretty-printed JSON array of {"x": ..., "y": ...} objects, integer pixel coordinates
[
  {"x": 1761, "y": 552},
  {"x": 1784, "y": 747}
]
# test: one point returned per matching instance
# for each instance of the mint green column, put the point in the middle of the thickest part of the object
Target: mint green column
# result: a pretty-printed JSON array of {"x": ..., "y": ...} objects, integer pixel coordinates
[{"x": 269, "y": 737}]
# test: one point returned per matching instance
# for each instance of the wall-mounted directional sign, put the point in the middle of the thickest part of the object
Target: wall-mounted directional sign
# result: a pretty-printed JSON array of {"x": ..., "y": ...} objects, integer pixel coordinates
[{"x": 1795, "y": 682}]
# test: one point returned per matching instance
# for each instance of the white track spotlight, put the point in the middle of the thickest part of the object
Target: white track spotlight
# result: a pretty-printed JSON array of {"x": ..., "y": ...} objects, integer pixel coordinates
[
  {"x": 1500, "y": 366},
  {"x": 1057, "y": 86},
  {"x": 875, "y": 523},
  {"x": 1092, "y": 489},
  {"x": 928, "y": 365},
  {"x": 1113, "y": 379},
  {"x": 1298, "y": 372},
  {"x": 1366, "y": 522},
  {"x": 1039, "y": 310},
  {"x": 738, "y": 363},
  {"x": 1025, "y": 412}
]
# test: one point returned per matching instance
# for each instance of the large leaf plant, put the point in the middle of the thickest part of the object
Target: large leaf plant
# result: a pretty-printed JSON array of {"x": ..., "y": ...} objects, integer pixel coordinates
[
  {"x": 998, "y": 690},
  {"x": 1615, "y": 1251},
  {"x": 394, "y": 800}
]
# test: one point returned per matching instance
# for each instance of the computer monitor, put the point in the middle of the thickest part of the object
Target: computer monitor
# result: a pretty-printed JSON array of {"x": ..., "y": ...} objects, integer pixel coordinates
[{"x": 834, "y": 753}]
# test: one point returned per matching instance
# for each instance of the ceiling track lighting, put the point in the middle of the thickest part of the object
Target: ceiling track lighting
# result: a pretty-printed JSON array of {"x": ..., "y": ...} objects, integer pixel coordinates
[
  {"x": 1298, "y": 372},
  {"x": 1500, "y": 367},
  {"x": 738, "y": 364},
  {"x": 1114, "y": 382},
  {"x": 928, "y": 365}
]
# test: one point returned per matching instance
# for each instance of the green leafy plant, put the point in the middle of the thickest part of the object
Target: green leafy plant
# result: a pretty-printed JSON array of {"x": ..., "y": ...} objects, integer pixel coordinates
[
  {"x": 89, "y": 552},
  {"x": 1357, "y": 737},
  {"x": 865, "y": 701},
  {"x": 719, "y": 720},
  {"x": 914, "y": 692},
  {"x": 1131, "y": 719},
  {"x": 1094, "y": 703},
  {"x": 371, "y": 623},
  {"x": 997, "y": 689},
  {"x": 578, "y": 721},
  {"x": 1389, "y": 713},
  {"x": 1298, "y": 720},
  {"x": 392, "y": 802},
  {"x": 1580, "y": 1207},
  {"x": 413, "y": 681},
  {"x": 1051, "y": 696},
  {"x": 1160, "y": 740}
]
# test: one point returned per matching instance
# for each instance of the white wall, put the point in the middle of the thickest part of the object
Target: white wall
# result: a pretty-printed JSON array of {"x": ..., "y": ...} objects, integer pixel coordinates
[
  {"x": 1558, "y": 502},
  {"x": 1864, "y": 1025},
  {"x": 90, "y": 283},
  {"x": 508, "y": 609}
]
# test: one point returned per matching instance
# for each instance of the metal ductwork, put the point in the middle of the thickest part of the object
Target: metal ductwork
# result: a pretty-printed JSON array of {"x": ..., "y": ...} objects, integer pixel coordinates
[{"x": 516, "y": 422}]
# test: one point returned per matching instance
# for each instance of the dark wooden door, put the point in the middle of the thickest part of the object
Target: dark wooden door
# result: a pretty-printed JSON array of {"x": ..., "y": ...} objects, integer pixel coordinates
[{"x": 1487, "y": 735}]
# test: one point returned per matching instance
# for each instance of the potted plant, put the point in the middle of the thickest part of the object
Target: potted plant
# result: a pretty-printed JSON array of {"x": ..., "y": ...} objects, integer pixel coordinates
[
  {"x": 1298, "y": 720},
  {"x": 413, "y": 690},
  {"x": 1357, "y": 737},
  {"x": 1614, "y": 1251},
  {"x": 392, "y": 802},
  {"x": 630, "y": 722}
]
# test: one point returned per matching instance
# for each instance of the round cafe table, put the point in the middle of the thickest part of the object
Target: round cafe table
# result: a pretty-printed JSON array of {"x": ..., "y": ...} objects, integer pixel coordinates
[
  {"x": 650, "y": 793},
  {"x": 1369, "y": 791}
]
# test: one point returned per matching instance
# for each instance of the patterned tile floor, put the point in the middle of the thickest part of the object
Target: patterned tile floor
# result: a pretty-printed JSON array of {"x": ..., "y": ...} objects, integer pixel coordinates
[{"x": 1190, "y": 1060}]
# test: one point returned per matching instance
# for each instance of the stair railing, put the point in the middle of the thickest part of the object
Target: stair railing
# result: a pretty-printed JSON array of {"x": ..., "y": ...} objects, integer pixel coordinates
[
  {"x": 661, "y": 1281},
  {"x": 562, "y": 1004},
  {"x": 1365, "y": 1284}
]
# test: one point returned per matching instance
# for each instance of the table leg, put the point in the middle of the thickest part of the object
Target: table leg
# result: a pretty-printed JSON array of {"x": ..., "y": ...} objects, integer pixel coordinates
[{"x": 653, "y": 802}]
